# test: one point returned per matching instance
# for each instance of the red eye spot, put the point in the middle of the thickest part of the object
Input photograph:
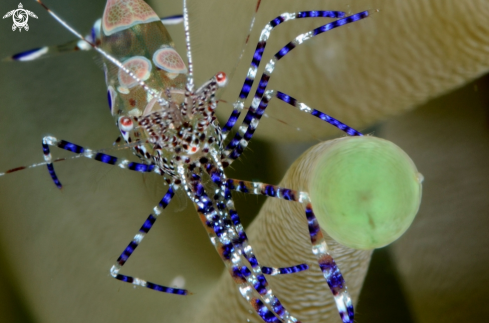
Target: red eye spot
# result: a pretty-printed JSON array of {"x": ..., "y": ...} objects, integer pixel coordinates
[
  {"x": 194, "y": 149},
  {"x": 126, "y": 121},
  {"x": 132, "y": 102},
  {"x": 125, "y": 124},
  {"x": 221, "y": 79}
]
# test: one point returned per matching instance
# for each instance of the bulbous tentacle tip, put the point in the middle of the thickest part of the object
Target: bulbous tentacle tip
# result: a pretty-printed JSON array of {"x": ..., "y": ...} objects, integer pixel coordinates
[{"x": 366, "y": 191}]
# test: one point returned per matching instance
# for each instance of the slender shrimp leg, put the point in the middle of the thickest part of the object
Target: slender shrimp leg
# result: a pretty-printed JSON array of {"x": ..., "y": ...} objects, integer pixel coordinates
[
  {"x": 114, "y": 271},
  {"x": 148, "y": 224},
  {"x": 260, "y": 49},
  {"x": 326, "y": 262},
  {"x": 143, "y": 168},
  {"x": 88, "y": 153},
  {"x": 253, "y": 118},
  {"x": 239, "y": 142}
]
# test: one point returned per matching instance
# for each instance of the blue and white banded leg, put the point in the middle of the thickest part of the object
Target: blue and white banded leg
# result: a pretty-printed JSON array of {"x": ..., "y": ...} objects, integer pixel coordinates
[
  {"x": 236, "y": 146},
  {"x": 125, "y": 164},
  {"x": 233, "y": 249},
  {"x": 147, "y": 225},
  {"x": 328, "y": 266},
  {"x": 224, "y": 201},
  {"x": 216, "y": 177},
  {"x": 91, "y": 154},
  {"x": 253, "y": 117},
  {"x": 257, "y": 56}
]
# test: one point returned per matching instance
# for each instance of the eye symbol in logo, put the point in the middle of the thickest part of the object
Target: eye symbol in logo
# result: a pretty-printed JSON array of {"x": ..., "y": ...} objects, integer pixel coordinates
[{"x": 20, "y": 17}]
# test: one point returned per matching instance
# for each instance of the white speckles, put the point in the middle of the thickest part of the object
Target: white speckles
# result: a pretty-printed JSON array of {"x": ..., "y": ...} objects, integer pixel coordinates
[
  {"x": 88, "y": 153},
  {"x": 49, "y": 140},
  {"x": 138, "y": 237},
  {"x": 238, "y": 105},
  {"x": 157, "y": 210},
  {"x": 252, "y": 73},
  {"x": 114, "y": 271},
  {"x": 139, "y": 282},
  {"x": 319, "y": 249},
  {"x": 254, "y": 123},
  {"x": 123, "y": 163},
  {"x": 243, "y": 143},
  {"x": 303, "y": 197},
  {"x": 265, "y": 34},
  {"x": 256, "y": 101},
  {"x": 305, "y": 108},
  {"x": 245, "y": 291},
  {"x": 270, "y": 66},
  {"x": 242, "y": 130}
]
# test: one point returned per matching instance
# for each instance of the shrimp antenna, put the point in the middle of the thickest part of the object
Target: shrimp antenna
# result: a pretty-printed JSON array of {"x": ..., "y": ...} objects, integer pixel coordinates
[
  {"x": 190, "y": 74},
  {"x": 112, "y": 59}
]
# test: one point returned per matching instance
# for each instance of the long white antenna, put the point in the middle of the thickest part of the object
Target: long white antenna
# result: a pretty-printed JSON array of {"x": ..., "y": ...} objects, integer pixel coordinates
[{"x": 190, "y": 77}]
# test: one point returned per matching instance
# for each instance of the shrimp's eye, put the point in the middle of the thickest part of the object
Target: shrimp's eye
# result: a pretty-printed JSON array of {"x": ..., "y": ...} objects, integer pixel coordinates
[
  {"x": 366, "y": 193},
  {"x": 126, "y": 124},
  {"x": 221, "y": 79}
]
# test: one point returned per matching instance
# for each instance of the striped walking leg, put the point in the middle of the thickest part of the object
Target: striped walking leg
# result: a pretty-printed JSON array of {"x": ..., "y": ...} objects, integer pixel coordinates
[{"x": 326, "y": 262}]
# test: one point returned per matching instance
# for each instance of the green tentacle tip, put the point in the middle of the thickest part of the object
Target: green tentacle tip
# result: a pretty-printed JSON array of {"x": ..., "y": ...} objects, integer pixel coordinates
[{"x": 366, "y": 191}]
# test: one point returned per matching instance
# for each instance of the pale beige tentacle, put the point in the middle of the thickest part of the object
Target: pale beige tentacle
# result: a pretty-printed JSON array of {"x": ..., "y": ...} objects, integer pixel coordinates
[{"x": 280, "y": 237}]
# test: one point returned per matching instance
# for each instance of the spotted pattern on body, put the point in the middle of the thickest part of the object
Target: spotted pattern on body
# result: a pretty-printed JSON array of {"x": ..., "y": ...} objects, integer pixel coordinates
[
  {"x": 140, "y": 66},
  {"x": 124, "y": 14},
  {"x": 169, "y": 60}
]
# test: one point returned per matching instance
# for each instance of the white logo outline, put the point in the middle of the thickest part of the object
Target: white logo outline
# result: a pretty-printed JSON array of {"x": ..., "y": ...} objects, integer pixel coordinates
[{"x": 20, "y": 17}]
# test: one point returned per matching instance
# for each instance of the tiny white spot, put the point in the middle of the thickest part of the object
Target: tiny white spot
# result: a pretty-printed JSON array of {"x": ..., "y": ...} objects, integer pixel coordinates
[
  {"x": 123, "y": 90},
  {"x": 420, "y": 178},
  {"x": 135, "y": 112},
  {"x": 83, "y": 45}
]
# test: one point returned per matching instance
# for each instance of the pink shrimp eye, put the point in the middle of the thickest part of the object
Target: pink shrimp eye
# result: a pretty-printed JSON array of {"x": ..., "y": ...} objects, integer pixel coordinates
[
  {"x": 221, "y": 79},
  {"x": 126, "y": 124}
]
